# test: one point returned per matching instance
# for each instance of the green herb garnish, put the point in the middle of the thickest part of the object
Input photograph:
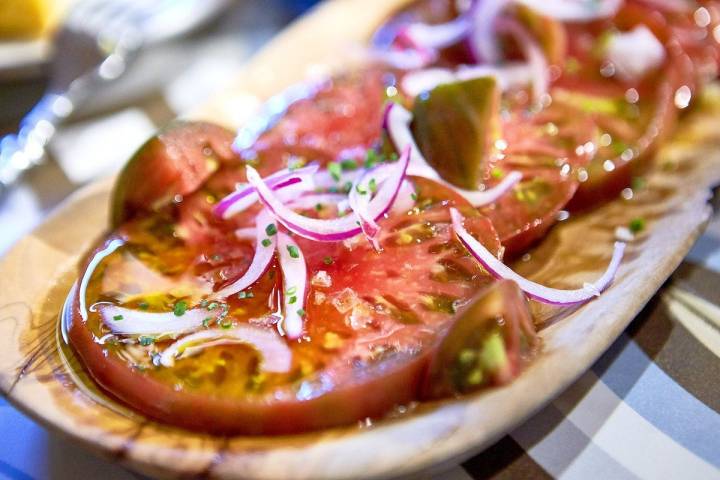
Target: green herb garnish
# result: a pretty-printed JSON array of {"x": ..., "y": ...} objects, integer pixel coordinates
[
  {"x": 372, "y": 185},
  {"x": 301, "y": 312},
  {"x": 180, "y": 308},
  {"x": 117, "y": 318},
  {"x": 335, "y": 171},
  {"x": 266, "y": 242},
  {"x": 293, "y": 251},
  {"x": 292, "y": 300},
  {"x": 145, "y": 341},
  {"x": 271, "y": 229},
  {"x": 637, "y": 225},
  {"x": 349, "y": 164}
]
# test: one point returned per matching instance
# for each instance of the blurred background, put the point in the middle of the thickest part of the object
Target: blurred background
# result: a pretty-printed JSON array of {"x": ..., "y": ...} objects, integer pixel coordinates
[{"x": 163, "y": 79}]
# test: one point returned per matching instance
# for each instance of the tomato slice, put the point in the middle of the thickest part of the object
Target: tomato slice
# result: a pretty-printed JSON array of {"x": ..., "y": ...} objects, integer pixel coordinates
[
  {"x": 490, "y": 341},
  {"x": 372, "y": 321},
  {"x": 340, "y": 121},
  {"x": 176, "y": 162},
  {"x": 633, "y": 116},
  {"x": 548, "y": 148}
]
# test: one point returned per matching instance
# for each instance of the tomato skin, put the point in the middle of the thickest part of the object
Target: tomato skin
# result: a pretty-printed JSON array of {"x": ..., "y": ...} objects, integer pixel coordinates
[
  {"x": 177, "y": 161},
  {"x": 499, "y": 308}
]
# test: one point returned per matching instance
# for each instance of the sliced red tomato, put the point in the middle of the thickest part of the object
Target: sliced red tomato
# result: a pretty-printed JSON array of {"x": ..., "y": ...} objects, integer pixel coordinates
[
  {"x": 341, "y": 121},
  {"x": 372, "y": 323},
  {"x": 548, "y": 148},
  {"x": 633, "y": 116},
  {"x": 176, "y": 162}
]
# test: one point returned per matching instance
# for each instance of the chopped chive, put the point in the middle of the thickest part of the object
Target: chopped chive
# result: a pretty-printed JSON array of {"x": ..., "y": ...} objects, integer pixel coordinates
[
  {"x": 206, "y": 322},
  {"x": 301, "y": 312},
  {"x": 293, "y": 251},
  {"x": 637, "y": 225},
  {"x": 143, "y": 305},
  {"x": 328, "y": 260},
  {"x": 335, "y": 171},
  {"x": 496, "y": 173},
  {"x": 212, "y": 306},
  {"x": 373, "y": 185},
  {"x": 292, "y": 300},
  {"x": 371, "y": 158},
  {"x": 271, "y": 229},
  {"x": 349, "y": 164},
  {"x": 266, "y": 242},
  {"x": 203, "y": 303},
  {"x": 291, "y": 291},
  {"x": 242, "y": 295},
  {"x": 145, "y": 341},
  {"x": 360, "y": 189},
  {"x": 117, "y": 318},
  {"x": 414, "y": 196},
  {"x": 226, "y": 325},
  {"x": 318, "y": 207},
  {"x": 180, "y": 308},
  {"x": 347, "y": 187}
]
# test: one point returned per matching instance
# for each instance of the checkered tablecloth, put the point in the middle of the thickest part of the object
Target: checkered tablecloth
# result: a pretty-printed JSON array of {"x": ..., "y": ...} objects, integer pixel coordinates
[{"x": 649, "y": 408}]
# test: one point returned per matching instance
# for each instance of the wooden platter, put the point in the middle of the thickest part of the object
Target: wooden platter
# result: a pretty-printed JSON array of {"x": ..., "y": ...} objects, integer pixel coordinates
[{"x": 40, "y": 375}]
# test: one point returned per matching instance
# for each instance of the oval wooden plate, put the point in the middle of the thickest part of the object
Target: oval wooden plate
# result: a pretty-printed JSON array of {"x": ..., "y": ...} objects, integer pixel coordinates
[{"x": 39, "y": 374}]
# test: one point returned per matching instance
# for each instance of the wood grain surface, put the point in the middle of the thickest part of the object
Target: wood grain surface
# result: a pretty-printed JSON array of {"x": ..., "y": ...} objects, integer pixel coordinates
[{"x": 39, "y": 374}]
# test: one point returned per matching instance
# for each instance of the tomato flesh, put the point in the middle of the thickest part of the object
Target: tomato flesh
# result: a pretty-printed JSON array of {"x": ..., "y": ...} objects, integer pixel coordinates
[{"x": 371, "y": 329}]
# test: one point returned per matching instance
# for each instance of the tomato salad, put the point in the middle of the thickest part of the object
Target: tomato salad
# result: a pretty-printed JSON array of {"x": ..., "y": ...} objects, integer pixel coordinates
[{"x": 346, "y": 256}]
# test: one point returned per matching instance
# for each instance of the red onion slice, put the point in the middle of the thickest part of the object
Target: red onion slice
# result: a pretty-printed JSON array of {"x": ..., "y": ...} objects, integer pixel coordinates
[
  {"x": 245, "y": 196},
  {"x": 264, "y": 252},
  {"x": 540, "y": 72},
  {"x": 408, "y": 59},
  {"x": 397, "y": 122},
  {"x": 510, "y": 75},
  {"x": 484, "y": 41},
  {"x": 577, "y": 10},
  {"x": 361, "y": 194},
  {"x": 310, "y": 201},
  {"x": 405, "y": 199},
  {"x": 534, "y": 290},
  {"x": 324, "y": 179},
  {"x": 335, "y": 229},
  {"x": 275, "y": 355},
  {"x": 439, "y": 35},
  {"x": 92, "y": 265},
  {"x": 126, "y": 321},
  {"x": 294, "y": 269}
]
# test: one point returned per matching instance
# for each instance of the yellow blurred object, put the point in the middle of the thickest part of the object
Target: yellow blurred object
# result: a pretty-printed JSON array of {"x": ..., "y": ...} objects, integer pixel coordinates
[{"x": 24, "y": 19}]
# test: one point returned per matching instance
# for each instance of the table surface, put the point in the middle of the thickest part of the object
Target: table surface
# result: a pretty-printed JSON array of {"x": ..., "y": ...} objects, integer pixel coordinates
[{"x": 649, "y": 408}]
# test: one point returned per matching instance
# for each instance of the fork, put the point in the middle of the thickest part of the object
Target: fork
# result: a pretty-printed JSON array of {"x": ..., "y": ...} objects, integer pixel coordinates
[{"x": 94, "y": 46}]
